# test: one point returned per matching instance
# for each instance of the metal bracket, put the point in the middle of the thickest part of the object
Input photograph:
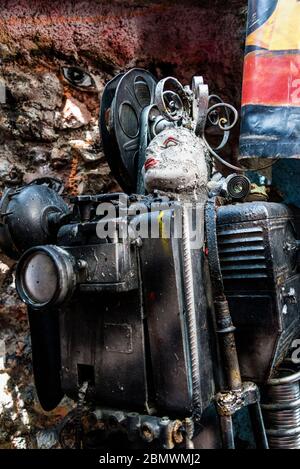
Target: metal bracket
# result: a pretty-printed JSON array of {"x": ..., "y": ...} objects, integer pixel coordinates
[
  {"x": 200, "y": 104},
  {"x": 229, "y": 402}
]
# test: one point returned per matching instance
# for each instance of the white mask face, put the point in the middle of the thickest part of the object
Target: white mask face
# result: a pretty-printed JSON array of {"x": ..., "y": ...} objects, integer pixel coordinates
[{"x": 175, "y": 162}]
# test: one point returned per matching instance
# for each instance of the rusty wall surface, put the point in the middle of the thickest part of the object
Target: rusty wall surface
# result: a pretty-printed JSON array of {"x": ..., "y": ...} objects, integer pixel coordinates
[{"x": 49, "y": 127}]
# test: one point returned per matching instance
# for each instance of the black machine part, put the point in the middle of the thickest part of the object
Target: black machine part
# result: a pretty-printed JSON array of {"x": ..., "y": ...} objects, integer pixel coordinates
[
  {"x": 46, "y": 360},
  {"x": 47, "y": 276},
  {"x": 234, "y": 187},
  {"x": 123, "y": 101},
  {"x": 235, "y": 394},
  {"x": 29, "y": 216},
  {"x": 114, "y": 330},
  {"x": 258, "y": 251},
  {"x": 131, "y": 329}
]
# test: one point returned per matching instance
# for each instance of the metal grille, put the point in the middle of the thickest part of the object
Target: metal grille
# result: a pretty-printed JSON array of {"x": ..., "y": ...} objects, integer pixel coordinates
[{"x": 242, "y": 253}]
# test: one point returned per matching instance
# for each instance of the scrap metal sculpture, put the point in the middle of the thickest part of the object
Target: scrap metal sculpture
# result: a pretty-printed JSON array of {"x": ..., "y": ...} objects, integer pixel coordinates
[{"x": 167, "y": 309}]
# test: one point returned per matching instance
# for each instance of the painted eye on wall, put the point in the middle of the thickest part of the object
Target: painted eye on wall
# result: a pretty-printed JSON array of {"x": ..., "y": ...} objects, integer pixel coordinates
[{"x": 79, "y": 78}]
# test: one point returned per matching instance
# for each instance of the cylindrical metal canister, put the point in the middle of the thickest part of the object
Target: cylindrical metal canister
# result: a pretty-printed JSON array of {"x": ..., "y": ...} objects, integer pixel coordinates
[{"x": 270, "y": 128}]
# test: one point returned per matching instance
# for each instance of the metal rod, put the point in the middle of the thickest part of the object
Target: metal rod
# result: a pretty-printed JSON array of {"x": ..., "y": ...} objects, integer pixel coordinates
[
  {"x": 225, "y": 326},
  {"x": 258, "y": 426},
  {"x": 190, "y": 308},
  {"x": 227, "y": 431},
  {"x": 285, "y": 379},
  {"x": 227, "y": 344}
]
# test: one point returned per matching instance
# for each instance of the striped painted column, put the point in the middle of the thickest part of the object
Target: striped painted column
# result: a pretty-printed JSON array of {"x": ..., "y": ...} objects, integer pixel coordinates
[{"x": 271, "y": 92}]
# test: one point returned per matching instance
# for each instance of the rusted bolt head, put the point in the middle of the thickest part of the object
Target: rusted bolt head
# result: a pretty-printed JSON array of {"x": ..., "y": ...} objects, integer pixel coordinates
[{"x": 147, "y": 433}]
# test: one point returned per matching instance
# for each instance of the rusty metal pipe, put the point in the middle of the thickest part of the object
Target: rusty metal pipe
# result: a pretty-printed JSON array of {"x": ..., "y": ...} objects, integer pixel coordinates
[
  {"x": 225, "y": 330},
  {"x": 225, "y": 326},
  {"x": 227, "y": 431}
]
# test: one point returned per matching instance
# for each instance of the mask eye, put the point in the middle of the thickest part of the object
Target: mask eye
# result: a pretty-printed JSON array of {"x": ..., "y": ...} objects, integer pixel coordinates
[
  {"x": 79, "y": 78},
  {"x": 170, "y": 142}
]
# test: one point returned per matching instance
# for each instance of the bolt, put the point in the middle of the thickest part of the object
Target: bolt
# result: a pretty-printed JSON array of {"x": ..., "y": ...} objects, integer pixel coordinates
[
  {"x": 137, "y": 242},
  {"x": 147, "y": 433},
  {"x": 81, "y": 264}
]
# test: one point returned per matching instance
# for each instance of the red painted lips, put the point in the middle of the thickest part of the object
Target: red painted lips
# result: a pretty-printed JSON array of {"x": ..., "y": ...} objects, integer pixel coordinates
[{"x": 150, "y": 163}]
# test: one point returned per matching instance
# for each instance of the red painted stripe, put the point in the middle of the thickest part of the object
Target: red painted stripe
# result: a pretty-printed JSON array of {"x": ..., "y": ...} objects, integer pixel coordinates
[{"x": 270, "y": 79}]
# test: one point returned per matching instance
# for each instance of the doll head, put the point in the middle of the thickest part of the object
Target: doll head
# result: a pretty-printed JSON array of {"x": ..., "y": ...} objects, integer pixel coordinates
[{"x": 176, "y": 162}]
